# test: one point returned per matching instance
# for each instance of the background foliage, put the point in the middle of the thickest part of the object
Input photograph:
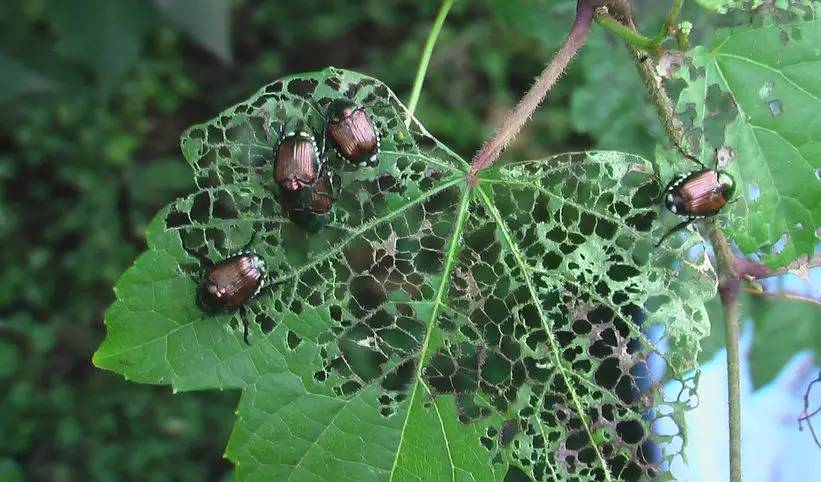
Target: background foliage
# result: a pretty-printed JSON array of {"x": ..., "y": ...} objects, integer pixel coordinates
[{"x": 94, "y": 97}]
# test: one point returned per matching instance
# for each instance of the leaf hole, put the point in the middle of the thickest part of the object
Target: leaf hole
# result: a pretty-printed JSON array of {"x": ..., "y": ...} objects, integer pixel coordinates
[{"x": 293, "y": 340}]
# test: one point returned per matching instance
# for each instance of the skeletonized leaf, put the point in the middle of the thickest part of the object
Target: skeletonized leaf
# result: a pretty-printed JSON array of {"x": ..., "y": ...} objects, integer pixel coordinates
[{"x": 432, "y": 330}]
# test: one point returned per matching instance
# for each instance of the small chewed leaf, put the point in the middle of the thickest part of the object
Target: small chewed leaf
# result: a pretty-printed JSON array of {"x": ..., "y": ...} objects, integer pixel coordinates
[
  {"x": 427, "y": 329},
  {"x": 754, "y": 97}
]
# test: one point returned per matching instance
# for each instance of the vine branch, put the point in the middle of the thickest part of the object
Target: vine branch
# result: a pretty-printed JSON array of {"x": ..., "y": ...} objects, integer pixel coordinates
[
  {"x": 520, "y": 114},
  {"x": 729, "y": 284},
  {"x": 731, "y": 270},
  {"x": 807, "y": 415}
]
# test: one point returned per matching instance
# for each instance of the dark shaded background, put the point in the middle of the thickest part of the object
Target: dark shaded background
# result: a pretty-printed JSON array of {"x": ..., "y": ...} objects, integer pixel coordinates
[{"x": 93, "y": 97}]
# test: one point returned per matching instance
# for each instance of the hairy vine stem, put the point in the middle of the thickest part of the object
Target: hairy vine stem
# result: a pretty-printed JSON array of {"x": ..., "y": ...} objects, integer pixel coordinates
[
  {"x": 520, "y": 114},
  {"x": 731, "y": 270}
]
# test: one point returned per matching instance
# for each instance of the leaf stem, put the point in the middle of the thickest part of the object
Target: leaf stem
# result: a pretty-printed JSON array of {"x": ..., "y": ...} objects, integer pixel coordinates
[
  {"x": 636, "y": 39},
  {"x": 520, "y": 114},
  {"x": 416, "y": 91},
  {"x": 729, "y": 288},
  {"x": 631, "y": 35},
  {"x": 669, "y": 23}
]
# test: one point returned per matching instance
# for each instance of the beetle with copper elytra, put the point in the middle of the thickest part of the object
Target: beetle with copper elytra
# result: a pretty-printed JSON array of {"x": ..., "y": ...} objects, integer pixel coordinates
[
  {"x": 297, "y": 161},
  {"x": 697, "y": 195},
  {"x": 226, "y": 286},
  {"x": 353, "y": 133}
]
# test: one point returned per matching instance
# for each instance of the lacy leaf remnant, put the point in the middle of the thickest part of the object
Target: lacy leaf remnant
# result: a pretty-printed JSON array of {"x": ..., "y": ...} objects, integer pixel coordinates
[{"x": 431, "y": 330}]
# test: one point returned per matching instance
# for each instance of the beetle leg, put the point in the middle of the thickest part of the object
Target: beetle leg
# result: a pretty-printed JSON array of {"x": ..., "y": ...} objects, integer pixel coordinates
[
  {"x": 245, "y": 332},
  {"x": 678, "y": 227},
  {"x": 314, "y": 104},
  {"x": 204, "y": 261},
  {"x": 243, "y": 315}
]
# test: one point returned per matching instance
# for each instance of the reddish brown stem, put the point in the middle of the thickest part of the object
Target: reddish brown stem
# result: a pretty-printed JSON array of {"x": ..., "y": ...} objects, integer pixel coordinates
[{"x": 517, "y": 117}]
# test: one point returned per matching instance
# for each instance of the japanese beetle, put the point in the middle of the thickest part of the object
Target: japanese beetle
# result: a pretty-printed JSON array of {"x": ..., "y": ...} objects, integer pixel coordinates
[
  {"x": 311, "y": 214},
  {"x": 353, "y": 133},
  {"x": 227, "y": 285},
  {"x": 297, "y": 160},
  {"x": 697, "y": 195}
]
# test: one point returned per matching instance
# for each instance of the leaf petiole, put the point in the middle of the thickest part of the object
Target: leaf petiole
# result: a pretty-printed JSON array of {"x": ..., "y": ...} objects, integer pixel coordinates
[
  {"x": 416, "y": 91},
  {"x": 652, "y": 45},
  {"x": 627, "y": 34}
]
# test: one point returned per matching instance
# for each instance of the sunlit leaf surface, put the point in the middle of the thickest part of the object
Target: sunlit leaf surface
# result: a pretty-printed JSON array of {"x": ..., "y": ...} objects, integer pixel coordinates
[
  {"x": 755, "y": 96},
  {"x": 432, "y": 330}
]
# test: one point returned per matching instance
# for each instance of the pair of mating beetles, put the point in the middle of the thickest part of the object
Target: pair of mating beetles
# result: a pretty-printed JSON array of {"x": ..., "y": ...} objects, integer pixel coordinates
[
  {"x": 307, "y": 194},
  {"x": 306, "y": 184}
]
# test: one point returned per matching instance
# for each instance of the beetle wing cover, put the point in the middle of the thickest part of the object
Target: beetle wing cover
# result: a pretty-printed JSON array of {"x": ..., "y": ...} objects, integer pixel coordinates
[
  {"x": 354, "y": 136},
  {"x": 236, "y": 278},
  {"x": 295, "y": 161},
  {"x": 702, "y": 193}
]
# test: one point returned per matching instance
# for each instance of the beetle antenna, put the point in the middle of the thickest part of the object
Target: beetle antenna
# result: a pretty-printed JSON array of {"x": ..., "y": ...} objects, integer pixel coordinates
[
  {"x": 678, "y": 227},
  {"x": 316, "y": 106},
  {"x": 203, "y": 259},
  {"x": 688, "y": 155}
]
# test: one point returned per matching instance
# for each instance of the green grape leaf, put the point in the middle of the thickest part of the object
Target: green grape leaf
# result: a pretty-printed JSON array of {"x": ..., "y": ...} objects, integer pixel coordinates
[
  {"x": 432, "y": 329},
  {"x": 754, "y": 95}
]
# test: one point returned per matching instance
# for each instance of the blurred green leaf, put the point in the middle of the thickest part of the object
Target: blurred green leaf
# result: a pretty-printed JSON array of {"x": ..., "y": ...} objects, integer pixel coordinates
[
  {"x": 783, "y": 327},
  {"x": 724, "y": 6},
  {"x": 803, "y": 8},
  {"x": 775, "y": 137},
  {"x": 208, "y": 22},
  {"x": 10, "y": 471},
  {"x": 104, "y": 35},
  {"x": 20, "y": 80},
  {"x": 9, "y": 358}
]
